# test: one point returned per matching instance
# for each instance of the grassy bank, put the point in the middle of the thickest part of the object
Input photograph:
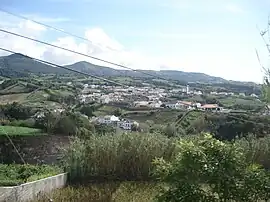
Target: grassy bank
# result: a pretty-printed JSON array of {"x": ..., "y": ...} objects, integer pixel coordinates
[
  {"x": 109, "y": 192},
  {"x": 20, "y": 131},
  {"x": 15, "y": 174}
]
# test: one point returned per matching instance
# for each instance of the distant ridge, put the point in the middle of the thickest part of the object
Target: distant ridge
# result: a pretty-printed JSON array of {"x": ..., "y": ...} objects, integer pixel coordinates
[{"x": 20, "y": 65}]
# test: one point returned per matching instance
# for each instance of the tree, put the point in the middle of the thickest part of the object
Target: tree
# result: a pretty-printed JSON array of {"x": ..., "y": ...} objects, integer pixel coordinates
[
  {"x": 117, "y": 112},
  {"x": 48, "y": 122},
  {"x": 66, "y": 126},
  {"x": 16, "y": 111},
  {"x": 134, "y": 127},
  {"x": 87, "y": 110},
  {"x": 170, "y": 130},
  {"x": 206, "y": 169}
]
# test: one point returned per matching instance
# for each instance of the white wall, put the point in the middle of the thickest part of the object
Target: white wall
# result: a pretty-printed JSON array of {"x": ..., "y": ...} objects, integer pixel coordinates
[{"x": 29, "y": 191}]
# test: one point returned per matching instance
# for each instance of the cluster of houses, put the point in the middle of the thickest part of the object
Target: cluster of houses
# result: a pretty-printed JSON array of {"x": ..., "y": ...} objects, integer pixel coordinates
[
  {"x": 146, "y": 96},
  {"x": 112, "y": 120},
  {"x": 190, "y": 105}
]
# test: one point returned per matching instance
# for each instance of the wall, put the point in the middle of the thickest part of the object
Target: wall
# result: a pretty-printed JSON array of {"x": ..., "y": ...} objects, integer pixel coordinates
[
  {"x": 34, "y": 149},
  {"x": 29, "y": 191}
]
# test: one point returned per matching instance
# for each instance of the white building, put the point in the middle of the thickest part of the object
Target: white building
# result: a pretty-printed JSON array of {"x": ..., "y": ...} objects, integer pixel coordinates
[
  {"x": 126, "y": 124},
  {"x": 108, "y": 119},
  {"x": 187, "y": 89},
  {"x": 105, "y": 99},
  {"x": 115, "y": 121}
]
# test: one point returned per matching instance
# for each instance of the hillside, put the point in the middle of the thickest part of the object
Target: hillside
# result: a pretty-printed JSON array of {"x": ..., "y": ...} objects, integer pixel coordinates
[{"x": 16, "y": 65}]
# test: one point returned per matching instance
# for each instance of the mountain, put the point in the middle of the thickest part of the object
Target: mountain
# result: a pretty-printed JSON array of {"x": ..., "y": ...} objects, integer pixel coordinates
[
  {"x": 19, "y": 65},
  {"x": 167, "y": 74}
]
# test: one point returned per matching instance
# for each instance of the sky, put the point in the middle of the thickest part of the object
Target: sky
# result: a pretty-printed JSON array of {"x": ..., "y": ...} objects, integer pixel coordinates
[{"x": 216, "y": 37}]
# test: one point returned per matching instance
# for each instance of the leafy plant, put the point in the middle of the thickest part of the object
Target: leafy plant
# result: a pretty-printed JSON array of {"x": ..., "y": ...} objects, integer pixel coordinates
[
  {"x": 206, "y": 169},
  {"x": 15, "y": 174}
]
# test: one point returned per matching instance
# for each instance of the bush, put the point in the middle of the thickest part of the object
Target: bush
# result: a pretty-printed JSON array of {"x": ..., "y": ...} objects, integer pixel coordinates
[
  {"x": 170, "y": 130},
  {"x": 87, "y": 110},
  {"x": 117, "y": 112},
  {"x": 15, "y": 174},
  {"x": 117, "y": 157},
  {"x": 16, "y": 111},
  {"x": 30, "y": 123},
  {"x": 206, "y": 169}
]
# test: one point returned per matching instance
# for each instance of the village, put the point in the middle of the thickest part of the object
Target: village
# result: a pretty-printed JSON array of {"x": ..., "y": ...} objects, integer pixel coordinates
[{"x": 147, "y": 97}]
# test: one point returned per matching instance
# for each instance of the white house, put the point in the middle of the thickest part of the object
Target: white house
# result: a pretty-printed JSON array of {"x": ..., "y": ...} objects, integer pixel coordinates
[
  {"x": 108, "y": 119},
  {"x": 254, "y": 95},
  {"x": 141, "y": 103},
  {"x": 242, "y": 94},
  {"x": 125, "y": 124},
  {"x": 155, "y": 104},
  {"x": 211, "y": 107},
  {"x": 105, "y": 99},
  {"x": 172, "y": 105},
  {"x": 115, "y": 121}
]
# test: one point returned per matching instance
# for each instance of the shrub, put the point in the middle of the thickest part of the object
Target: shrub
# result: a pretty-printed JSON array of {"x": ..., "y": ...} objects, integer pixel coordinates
[
  {"x": 15, "y": 174},
  {"x": 30, "y": 123},
  {"x": 206, "y": 169},
  {"x": 87, "y": 110},
  {"x": 16, "y": 111},
  {"x": 117, "y": 157},
  {"x": 170, "y": 130}
]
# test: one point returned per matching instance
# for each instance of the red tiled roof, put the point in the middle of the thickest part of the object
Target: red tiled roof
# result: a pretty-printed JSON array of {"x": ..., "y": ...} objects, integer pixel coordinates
[
  {"x": 210, "y": 106},
  {"x": 185, "y": 102}
]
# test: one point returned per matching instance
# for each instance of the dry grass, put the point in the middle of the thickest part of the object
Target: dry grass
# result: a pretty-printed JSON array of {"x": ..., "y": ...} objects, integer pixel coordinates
[
  {"x": 4, "y": 99},
  {"x": 109, "y": 192}
]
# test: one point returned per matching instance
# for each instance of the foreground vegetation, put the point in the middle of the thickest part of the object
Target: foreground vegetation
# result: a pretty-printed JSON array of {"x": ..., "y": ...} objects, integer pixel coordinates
[
  {"x": 166, "y": 156},
  {"x": 106, "y": 192},
  {"x": 194, "y": 168},
  {"x": 15, "y": 174}
]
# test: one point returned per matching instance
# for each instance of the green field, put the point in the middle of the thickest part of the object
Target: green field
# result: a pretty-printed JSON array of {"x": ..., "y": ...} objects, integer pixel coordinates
[
  {"x": 162, "y": 116},
  {"x": 106, "y": 110},
  {"x": 22, "y": 131}
]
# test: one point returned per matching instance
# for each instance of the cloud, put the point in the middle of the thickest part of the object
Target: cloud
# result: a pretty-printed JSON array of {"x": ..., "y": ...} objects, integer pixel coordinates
[
  {"x": 106, "y": 47},
  {"x": 234, "y": 8}
]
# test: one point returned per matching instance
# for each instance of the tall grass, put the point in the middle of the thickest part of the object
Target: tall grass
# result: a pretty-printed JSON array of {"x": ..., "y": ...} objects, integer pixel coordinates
[
  {"x": 109, "y": 192},
  {"x": 257, "y": 150},
  {"x": 117, "y": 157}
]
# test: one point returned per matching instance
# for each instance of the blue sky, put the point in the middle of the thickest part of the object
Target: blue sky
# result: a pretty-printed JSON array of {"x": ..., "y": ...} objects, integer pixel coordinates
[{"x": 216, "y": 37}]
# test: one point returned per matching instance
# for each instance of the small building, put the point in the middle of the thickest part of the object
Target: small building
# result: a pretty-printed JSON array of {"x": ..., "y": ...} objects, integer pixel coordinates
[
  {"x": 172, "y": 104},
  {"x": 211, "y": 107},
  {"x": 141, "y": 103},
  {"x": 108, "y": 119},
  {"x": 184, "y": 105},
  {"x": 126, "y": 124}
]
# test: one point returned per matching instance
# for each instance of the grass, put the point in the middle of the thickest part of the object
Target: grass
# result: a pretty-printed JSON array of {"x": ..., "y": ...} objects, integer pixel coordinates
[
  {"x": 163, "y": 116},
  {"x": 106, "y": 110},
  {"x": 37, "y": 96},
  {"x": 16, "y": 88},
  {"x": 4, "y": 99},
  {"x": 109, "y": 192},
  {"x": 116, "y": 157},
  {"x": 20, "y": 131}
]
